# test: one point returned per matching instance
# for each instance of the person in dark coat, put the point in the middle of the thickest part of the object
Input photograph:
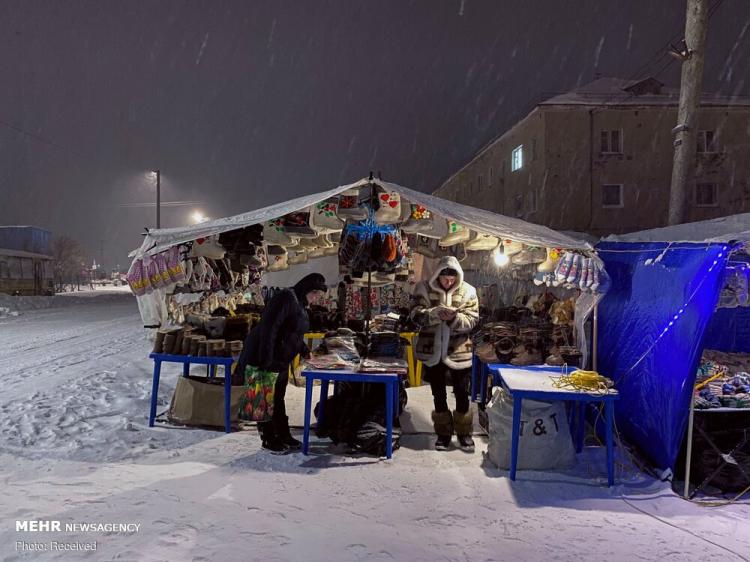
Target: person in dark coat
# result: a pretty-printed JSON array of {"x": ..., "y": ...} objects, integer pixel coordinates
[{"x": 273, "y": 344}]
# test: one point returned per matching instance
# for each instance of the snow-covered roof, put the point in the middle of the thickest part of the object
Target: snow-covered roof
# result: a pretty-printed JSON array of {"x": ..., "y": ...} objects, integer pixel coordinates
[
  {"x": 724, "y": 229},
  {"x": 618, "y": 91},
  {"x": 477, "y": 219}
]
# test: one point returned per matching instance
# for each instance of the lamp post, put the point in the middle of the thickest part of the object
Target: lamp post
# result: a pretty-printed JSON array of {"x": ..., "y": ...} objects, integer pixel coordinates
[{"x": 158, "y": 198}]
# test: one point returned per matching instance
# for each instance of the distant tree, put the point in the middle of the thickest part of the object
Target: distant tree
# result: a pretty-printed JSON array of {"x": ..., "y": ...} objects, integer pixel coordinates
[{"x": 67, "y": 255}]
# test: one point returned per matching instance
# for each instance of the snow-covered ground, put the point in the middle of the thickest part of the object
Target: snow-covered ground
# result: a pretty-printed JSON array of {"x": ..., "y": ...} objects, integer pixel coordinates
[{"x": 75, "y": 447}]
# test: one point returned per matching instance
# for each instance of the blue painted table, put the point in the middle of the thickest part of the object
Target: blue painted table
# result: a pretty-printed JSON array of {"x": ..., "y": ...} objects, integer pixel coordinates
[
  {"x": 186, "y": 361},
  {"x": 391, "y": 398},
  {"x": 537, "y": 384},
  {"x": 481, "y": 371}
]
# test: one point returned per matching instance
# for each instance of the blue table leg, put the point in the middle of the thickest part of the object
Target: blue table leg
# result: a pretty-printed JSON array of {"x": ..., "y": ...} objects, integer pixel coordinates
[
  {"x": 473, "y": 390},
  {"x": 323, "y": 397},
  {"x": 227, "y": 398},
  {"x": 483, "y": 382},
  {"x": 212, "y": 371},
  {"x": 609, "y": 408},
  {"x": 154, "y": 392},
  {"x": 389, "y": 420},
  {"x": 396, "y": 398},
  {"x": 580, "y": 425},
  {"x": 515, "y": 437},
  {"x": 308, "y": 408},
  {"x": 185, "y": 369}
]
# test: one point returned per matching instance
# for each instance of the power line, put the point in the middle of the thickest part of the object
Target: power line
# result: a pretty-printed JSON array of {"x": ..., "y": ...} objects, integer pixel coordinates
[
  {"x": 163, "y": 204},
  {"x": 38, "y": 138}
]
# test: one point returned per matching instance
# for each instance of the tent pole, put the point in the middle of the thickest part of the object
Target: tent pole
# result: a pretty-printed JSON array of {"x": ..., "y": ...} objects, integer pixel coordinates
[{"x": 689, "y": 453}]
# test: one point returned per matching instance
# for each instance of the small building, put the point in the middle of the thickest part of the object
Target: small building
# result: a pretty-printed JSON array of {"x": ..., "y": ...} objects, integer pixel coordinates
[
  {"x": 599, "y": 160},
  {"x": 25, "y": 261}
]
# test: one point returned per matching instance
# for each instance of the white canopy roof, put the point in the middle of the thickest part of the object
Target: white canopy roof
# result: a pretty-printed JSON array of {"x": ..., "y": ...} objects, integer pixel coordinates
[
  {"x": 477, "y": 219},
  {"x": 724, "y": 229}
]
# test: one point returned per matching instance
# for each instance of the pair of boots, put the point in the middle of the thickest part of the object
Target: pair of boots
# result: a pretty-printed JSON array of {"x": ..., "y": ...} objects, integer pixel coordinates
[
  {"x": 445, "y": 424},
  {"x": 276, "y": 436}
]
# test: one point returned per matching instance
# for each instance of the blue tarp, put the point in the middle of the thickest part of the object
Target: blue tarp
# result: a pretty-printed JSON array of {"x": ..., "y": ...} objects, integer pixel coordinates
[
  {"x": 651, "y": 328},
  {"x": 729, "y": 330}
]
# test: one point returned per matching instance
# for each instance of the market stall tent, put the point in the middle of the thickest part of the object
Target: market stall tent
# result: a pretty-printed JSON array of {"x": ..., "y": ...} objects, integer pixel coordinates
[
  {"x": 479, "y": 220},
  {"x": 654, "y": 324}
]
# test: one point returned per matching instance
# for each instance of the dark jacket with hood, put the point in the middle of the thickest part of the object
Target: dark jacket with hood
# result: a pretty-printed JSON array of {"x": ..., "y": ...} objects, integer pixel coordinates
[{"x": 279, "y": 336}]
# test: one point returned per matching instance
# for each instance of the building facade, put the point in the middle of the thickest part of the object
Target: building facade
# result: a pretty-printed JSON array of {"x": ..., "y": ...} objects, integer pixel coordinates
[
  {"x": 25, "y": 261},
  {"x": 599, "y": 160}
]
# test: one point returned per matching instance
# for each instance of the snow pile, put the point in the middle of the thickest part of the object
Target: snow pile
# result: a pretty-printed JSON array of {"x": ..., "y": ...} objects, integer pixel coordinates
[
  {"x": 26, "y": 303},
  {"x": 75, "y": 447}
]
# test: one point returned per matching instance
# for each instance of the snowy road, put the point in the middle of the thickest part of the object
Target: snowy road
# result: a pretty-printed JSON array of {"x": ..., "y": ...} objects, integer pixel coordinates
[{"x": 75, "y": 447}]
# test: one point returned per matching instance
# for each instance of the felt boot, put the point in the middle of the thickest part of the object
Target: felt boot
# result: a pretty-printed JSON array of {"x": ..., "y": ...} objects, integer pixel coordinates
[
  {"x": 269, "y": 439},
  {"x": 463, "y": 422},
  {"x": 283, "y": 433},
  {"x": 443, "y": 424}
]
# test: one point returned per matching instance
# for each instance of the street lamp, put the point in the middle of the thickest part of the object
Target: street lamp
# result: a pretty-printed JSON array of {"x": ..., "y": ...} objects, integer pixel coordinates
[
  {"x": 198, "y": 217},
  {"x": 158, "y": 198}
]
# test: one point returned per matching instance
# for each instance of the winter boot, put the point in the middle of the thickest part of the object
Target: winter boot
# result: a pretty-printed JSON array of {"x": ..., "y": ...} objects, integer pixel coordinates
[
  {"x": 464, "y": 422},
  {"x": 269, "y": 439},
  {"x": 443, "y": 423},
  {"x": 281, "y": 426}
]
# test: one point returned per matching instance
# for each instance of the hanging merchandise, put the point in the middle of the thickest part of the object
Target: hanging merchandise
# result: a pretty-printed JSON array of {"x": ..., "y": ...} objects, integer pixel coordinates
[
  {"x": 419, "y": 221},
  {"x": 366, "y": 245},
  {"x": 430, "y": 247},
  {"x": 457, "y": 234},
  {"x": 481, "y": 242},
  {"x": 511, "y": 248},
  {"x": 298, "y": 224},
  {"x": 574, "y": 271},
  {"x": 529, "y": 255},
  {"x": 278, "y": 259},
  {"x": 273, "y": 233},
  {"x": 324, "y": 218},
  {"x": 208, "y": 248},
  {"x": 297, "y": 258},
  {"x": 349, "y": 206},
  {"x": 317, "y": 252},
  {"x": 389, "y": 208},
  {"x": 549, "y": 264},
  {"x": 138, "y": 278},
  {"x": 322, "y": 241}
]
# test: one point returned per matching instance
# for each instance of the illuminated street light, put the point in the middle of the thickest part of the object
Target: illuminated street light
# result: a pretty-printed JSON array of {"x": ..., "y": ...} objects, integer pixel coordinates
[{"x": 198, "y": 217}]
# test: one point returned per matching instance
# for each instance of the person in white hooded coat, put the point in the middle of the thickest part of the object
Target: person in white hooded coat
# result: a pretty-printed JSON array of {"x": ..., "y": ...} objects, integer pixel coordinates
[{"x": 446, "y": 308}]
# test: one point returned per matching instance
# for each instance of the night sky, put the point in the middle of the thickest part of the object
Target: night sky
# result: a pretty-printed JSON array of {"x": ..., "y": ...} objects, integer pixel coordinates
[{"x": 242, "y": 104}]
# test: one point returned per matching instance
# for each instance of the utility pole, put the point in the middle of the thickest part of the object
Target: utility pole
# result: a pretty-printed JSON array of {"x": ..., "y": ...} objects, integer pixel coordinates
[
  {"x": 692, "y": 56},
  {"x": 101, "y": 254},
  {"x": 158, "y": 198}
]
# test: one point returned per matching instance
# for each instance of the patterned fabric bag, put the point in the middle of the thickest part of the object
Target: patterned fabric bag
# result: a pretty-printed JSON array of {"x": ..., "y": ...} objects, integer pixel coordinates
[
  {"x": 457, "y": 234},
  {"x": 324, "y": 219},
  {"x": 256, "y": 403},
  {"x": 349, "y": 206},
  {"x": 273, "y": 233},
  {"x": 389, "y": 209}
]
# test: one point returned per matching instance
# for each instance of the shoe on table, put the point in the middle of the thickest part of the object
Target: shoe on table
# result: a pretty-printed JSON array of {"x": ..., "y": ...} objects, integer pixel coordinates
[
  {"x": 466, "y": 442},
  {"x": 443, "y": 442}
]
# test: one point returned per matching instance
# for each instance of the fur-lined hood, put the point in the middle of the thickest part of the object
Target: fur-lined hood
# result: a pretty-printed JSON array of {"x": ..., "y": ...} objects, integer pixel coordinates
[{"x": 447, "y": 262}]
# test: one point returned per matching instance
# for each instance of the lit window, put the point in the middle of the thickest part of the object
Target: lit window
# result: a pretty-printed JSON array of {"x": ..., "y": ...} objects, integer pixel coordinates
[
  {"x": 706, "y": 141},
  {"x": 611, "y": 142},
  {"x": 612, "y": 196},
  {"x": 516, "y": 159},
  {"x": 706, "y": 195}
]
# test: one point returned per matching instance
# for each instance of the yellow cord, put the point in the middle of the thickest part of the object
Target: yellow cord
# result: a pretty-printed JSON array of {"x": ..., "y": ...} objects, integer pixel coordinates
[{"x": 583, "y": 380}]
